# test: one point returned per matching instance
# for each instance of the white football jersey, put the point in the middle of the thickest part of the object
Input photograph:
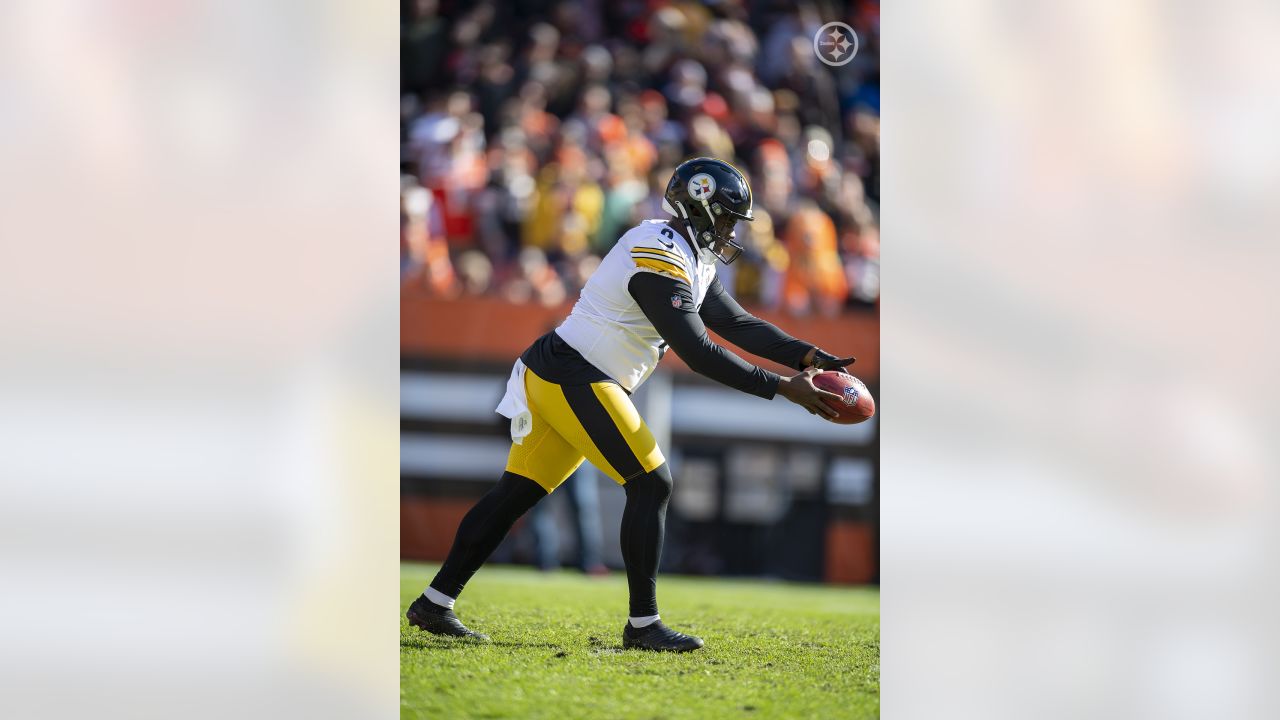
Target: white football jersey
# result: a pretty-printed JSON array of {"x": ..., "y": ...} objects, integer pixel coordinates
[{"x": 607, "y": 326}]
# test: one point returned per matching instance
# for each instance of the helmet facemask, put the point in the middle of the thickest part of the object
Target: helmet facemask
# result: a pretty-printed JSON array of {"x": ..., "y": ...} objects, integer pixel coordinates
[
  {"x": 713, "y": 226},
  {"x": 721, "y": 242}
]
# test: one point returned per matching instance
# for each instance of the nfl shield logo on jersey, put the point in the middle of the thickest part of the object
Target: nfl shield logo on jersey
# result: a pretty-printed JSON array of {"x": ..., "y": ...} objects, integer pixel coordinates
[{"x": 676, "y": 301}]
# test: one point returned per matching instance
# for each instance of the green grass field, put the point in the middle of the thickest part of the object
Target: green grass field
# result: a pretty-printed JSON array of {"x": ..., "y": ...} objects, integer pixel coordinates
[{"x": 773, "y": 650}]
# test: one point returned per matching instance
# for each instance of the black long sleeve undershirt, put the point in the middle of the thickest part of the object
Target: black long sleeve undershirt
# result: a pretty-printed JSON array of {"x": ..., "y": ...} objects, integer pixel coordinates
[
  {"x": 683, "y": 329},
  {"x": 723, "y": 314}
]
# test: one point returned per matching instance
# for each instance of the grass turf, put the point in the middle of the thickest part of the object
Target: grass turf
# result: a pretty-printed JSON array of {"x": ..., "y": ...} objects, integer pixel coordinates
[{"x": 773, "y": 650}]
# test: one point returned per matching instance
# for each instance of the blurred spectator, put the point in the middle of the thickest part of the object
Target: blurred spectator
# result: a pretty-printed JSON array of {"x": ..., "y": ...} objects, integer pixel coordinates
[
  {"x": 759, "y": 280},
  {"x": 567, "y": 208},
  {"x": 531, "y": 147},
  {"x": 424, "y": 255},
  {"x": 578, "y": 271},
  {"x": 423, "y": 46},
  {"x": 651, "y": 205},
  {"x": 688, "y": 86},
  {"x": 771, "y": 183},
  {"x": 815, "y": 279},
  {"x": 534, "y": 280},
  {"x": 666, "y": 135},
  {"x": 862, "y": 264},
  {"x": 475, "y": 272},
  {"x": 450, "y": 151},
  {"x": 819, "y": 103},
  {"x": 502, "y": 205},
  {"x": 708, "y": 138},
  {"x": 625, "y": 188}
]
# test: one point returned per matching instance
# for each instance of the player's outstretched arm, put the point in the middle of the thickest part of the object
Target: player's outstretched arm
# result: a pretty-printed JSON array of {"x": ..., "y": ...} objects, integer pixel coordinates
[
  {"x": 723, "y": 314},
  {"x": 668, "y": 304}
]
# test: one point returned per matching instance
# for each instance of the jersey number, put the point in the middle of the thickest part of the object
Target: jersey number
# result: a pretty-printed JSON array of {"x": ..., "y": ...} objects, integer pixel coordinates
[{"x": 667, "y": 232}]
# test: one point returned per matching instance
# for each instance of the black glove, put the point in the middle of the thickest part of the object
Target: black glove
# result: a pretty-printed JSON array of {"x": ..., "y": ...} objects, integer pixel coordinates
[{"x": 826, "y": 361}]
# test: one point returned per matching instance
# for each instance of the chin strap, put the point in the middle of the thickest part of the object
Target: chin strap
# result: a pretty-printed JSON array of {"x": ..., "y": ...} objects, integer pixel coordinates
[
  {"x": 694, "y": 236},
  {"x": 688, "y": 225},
  {"x": 710, "y": 216}
]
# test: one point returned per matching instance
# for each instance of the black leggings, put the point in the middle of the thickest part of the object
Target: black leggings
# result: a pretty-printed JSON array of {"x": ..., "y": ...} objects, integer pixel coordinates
[
  {"x": 483, "y": 527},
  {"x": 643, "y": 525},
  {"x": 644, "y": 522}
]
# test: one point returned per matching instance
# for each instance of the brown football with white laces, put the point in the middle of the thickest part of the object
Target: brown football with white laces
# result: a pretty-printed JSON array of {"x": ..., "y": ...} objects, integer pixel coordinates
[{"x": 857, "y": 405}]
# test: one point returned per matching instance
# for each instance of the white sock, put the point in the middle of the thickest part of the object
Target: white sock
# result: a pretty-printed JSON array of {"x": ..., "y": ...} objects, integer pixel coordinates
[
  {"x": 438, "y": 598},
  {"x": 639, "y": 622}
]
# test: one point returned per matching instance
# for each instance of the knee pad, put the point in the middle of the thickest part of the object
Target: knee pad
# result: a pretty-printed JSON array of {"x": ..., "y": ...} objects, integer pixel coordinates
[{"x": 657, "y": 483}]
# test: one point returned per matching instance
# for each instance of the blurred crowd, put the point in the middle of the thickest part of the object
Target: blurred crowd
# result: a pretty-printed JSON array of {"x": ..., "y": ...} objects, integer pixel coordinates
[{"x": 535, "y": 133}]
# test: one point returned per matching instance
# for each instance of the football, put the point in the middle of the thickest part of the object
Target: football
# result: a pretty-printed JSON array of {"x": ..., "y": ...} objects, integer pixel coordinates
[{"x": 858, "y": 404}]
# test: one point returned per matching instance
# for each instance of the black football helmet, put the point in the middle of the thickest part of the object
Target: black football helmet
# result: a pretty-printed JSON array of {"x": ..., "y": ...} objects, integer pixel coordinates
[{"x": 712, "y": 196}]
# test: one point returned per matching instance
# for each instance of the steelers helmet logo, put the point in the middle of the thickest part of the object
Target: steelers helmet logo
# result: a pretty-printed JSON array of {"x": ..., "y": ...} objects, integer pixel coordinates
[
  {"x": 701, "y": 187},
  {"x": 835, "y": 44}
]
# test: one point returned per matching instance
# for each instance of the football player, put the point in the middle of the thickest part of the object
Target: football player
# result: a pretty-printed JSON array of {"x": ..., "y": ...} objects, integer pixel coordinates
[{"x": 568, "y": 393}]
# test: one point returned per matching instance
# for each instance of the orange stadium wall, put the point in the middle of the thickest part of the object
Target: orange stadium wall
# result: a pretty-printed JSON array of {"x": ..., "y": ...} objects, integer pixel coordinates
[
  {"x": 851, "y": 552},
  {"x": 427, "y": 526}
]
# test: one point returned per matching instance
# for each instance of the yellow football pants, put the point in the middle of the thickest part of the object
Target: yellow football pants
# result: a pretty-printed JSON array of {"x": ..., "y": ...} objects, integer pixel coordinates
[{"x": 595, "y": 422}]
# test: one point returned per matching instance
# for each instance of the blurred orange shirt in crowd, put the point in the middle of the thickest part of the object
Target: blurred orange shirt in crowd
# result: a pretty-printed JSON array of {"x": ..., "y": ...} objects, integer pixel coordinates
[{"x": 815, "y": 279}]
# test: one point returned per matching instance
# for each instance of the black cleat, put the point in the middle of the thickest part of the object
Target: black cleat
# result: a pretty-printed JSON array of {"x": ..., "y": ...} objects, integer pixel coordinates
[
  {"x": 657, "y": 636},
  {"x": 439, "y": 620}
]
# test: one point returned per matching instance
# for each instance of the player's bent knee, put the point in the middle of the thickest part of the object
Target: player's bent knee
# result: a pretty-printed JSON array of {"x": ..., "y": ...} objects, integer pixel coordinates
[
  {"x": 656, "y": 482},
  {"x": 663, "y": 473}
]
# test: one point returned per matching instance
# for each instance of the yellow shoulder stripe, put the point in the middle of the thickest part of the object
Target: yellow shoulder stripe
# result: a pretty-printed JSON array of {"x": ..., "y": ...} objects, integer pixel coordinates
[
  {"x": 637, "y": 255},
  {"x": 662, "y": 266},
  {"x": 665, "y": 253}
]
